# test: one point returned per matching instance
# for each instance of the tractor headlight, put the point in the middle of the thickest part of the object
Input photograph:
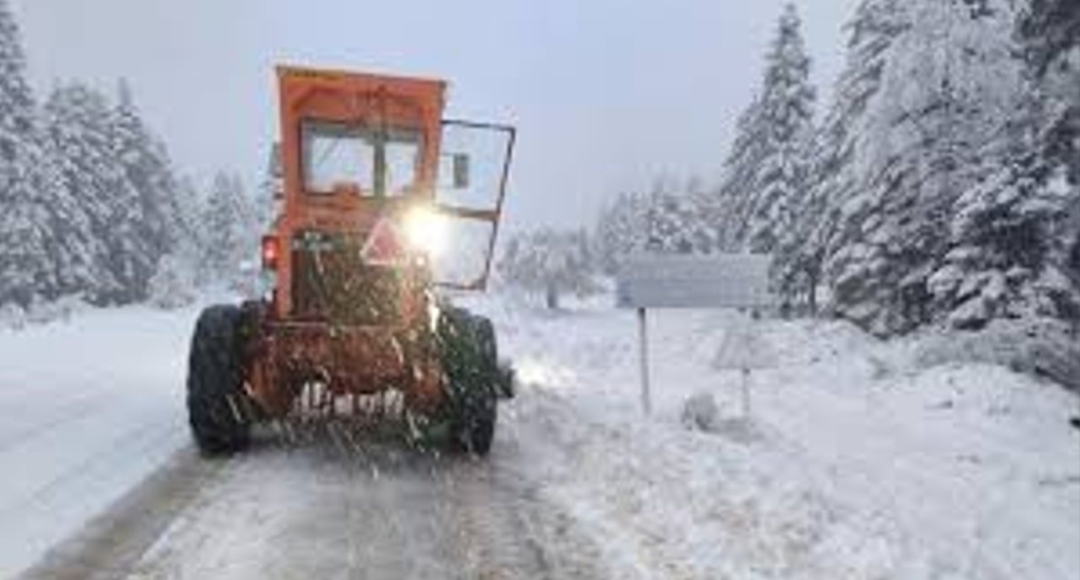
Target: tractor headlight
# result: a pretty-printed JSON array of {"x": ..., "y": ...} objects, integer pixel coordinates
[{"x": 425, "y": 229}]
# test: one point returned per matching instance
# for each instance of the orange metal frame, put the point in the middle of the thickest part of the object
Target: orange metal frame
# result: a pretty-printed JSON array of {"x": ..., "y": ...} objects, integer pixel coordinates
[
  {"x": 493, "y": 215},
  {"x": 284, "y": 353},
  {"x": 350, "y": 98}
]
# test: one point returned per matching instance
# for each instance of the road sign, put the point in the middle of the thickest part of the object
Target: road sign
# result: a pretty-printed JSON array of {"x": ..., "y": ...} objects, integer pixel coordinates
[
  {"x": 673, "y": 281},
  {"x": 713, "y": 281}
]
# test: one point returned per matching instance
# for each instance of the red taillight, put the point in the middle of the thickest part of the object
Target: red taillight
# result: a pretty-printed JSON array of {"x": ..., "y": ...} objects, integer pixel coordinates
[{"x": 271, "y": 252}]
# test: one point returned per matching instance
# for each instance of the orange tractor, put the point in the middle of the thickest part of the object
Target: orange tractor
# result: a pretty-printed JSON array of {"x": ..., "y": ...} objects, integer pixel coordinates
[{"x": 382, "y": 202}]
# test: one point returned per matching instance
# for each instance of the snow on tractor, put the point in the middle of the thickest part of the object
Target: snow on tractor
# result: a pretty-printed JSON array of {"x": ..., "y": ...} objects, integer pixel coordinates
[{"x": 382, "y": 202}]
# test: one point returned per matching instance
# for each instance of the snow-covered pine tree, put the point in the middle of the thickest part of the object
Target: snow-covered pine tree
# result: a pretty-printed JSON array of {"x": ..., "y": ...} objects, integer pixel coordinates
[
  {"x": 549, "y": 262},
  {"x": 1049, "y": 32},
  {"x": 671, "y": 219},
  {"x": 44, "y": 237},
  {"x": 173, "y": 284},
  {"x": 270, "y": 190},
  {"x": 800, "y": 269},
  {"x": 784, "y": 115},
  {"x": 148, "y": 228},
  {"x": 676, "y": 220},
  {"x": 620, "y": 231},
  {"x": 740, "y": 171},
  {"x": 837, "y": 174},
  {"x": 908, "y": 150},
  {"x": 766, "y": 171},
  {"x": 704, "y": 234},
  {"x": 1012, "y": 232},
  {"x": 1071, "y": 240},
  {"x": 1000, "y": 264},
  {"x": 79, "y": 125},
  {"x": 180, "y": 271},
  {"x": 189, "y": 221},
  {"x": 230, "y": 227}
]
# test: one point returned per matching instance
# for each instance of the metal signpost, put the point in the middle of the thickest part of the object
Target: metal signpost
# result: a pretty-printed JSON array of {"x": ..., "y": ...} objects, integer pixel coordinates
[{"x": 677, "y": 281}]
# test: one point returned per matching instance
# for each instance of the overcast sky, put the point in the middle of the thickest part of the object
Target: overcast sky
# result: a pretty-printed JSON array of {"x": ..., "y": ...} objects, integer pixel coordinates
[{"x": 605, "y": 93}]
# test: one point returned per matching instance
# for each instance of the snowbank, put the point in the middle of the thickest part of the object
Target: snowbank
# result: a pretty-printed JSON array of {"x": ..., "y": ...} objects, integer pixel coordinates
[
  {"x": 1044, "y": 348},
  {"x": 859, "y": 460}
]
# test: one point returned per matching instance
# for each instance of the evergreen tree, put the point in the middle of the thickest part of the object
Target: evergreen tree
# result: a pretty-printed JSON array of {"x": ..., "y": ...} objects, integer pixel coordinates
[
  {"x": 189, "y": 220},
  {"x": 703, "y": 235},
  {"x": 740, "y": 172},
  {"x": 798, "y": 258},
  {"x": 904, "y": 152},
  {"x": 785, "y": 112},
  {"x": 670, "y": 219},
  {"x": 550, "y": 262},
  {"x": 765, "y": 197},
  {"x": 766, "y": 181},
  {"x": 172, "y": 286},
  {"x": 230, "y": 227},
  {"x": 675, "y": 219},
  {"x": 79, "y": 127},
  {"x": 801, "y": 259},
  {"x": 1011, "y": 238},
  {"x": 1071, "y": 240},
  {"x": 43, "y": 234},
  {"x": 840, "y": 168},
  {"x": 620, "y": 231},
  {"x": 271, "y": 190},
  {"x": 181, "y": 270},
  {"x": 1000, "y": 263},
  {"x": 1049, "y": 32},
  {"x": 147, "y": 228}
]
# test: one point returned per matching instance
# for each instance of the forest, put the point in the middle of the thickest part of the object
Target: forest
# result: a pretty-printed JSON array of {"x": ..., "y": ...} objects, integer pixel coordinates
[{"x": 940, "y": 186}]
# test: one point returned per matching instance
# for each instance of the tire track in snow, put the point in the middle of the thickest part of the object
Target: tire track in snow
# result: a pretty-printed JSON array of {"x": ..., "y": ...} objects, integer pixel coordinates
[
  {"x": 114, "y": 541},
  {"x": 318, "y": 509}
]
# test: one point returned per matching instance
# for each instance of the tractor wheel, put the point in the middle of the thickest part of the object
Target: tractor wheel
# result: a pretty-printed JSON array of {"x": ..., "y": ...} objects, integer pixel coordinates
[
  {"x": 504, "y": 383},
  {"x": 470, "y": 362},
  {"x": 218, "y": 407},
  {"x": 482, "y": 416}
]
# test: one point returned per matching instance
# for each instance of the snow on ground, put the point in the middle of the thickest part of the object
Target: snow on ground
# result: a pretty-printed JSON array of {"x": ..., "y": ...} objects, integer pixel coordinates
[
  {"x": 856, "y": 463},
  {"x": 89, "y": 407}
]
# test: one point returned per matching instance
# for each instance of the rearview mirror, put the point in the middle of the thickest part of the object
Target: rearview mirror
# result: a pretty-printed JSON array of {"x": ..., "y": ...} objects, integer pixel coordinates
[{"x": 461, "y": 170}]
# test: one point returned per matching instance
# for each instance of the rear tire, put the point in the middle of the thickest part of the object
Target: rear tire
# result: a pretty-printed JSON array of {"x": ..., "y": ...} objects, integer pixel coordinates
[
  {"x": 218, "y": 407},
  {"x": 470, "y": 362}
]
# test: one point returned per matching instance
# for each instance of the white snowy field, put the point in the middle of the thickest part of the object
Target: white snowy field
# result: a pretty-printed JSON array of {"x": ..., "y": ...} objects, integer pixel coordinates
[{"x": 856, "y": 464}]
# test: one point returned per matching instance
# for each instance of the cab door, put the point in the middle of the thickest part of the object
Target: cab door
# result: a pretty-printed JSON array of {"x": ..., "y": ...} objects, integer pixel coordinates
[{"x": 474, "y": 167}]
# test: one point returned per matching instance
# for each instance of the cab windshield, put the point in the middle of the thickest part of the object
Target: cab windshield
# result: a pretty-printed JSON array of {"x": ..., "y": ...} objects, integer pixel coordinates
[{"x": 377, "y": 162}]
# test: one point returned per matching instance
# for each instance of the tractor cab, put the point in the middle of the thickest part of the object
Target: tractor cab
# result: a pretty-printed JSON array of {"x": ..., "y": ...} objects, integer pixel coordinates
[{"x": 382, "y": 197}]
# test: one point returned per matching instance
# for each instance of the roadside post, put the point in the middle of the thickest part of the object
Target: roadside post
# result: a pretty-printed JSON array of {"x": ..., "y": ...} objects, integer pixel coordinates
[
  {"x": 682, "y": 281},
  {"x": 743, "y": 351},
  {"x": 643, "y": 358}
]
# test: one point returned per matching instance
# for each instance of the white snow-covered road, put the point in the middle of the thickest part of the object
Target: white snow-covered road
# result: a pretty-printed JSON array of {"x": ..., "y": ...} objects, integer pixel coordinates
[
  {"x": 857, "y": 463},
  {"x": 88, "y": 408},
  {"x": 318, "y": 510}
]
